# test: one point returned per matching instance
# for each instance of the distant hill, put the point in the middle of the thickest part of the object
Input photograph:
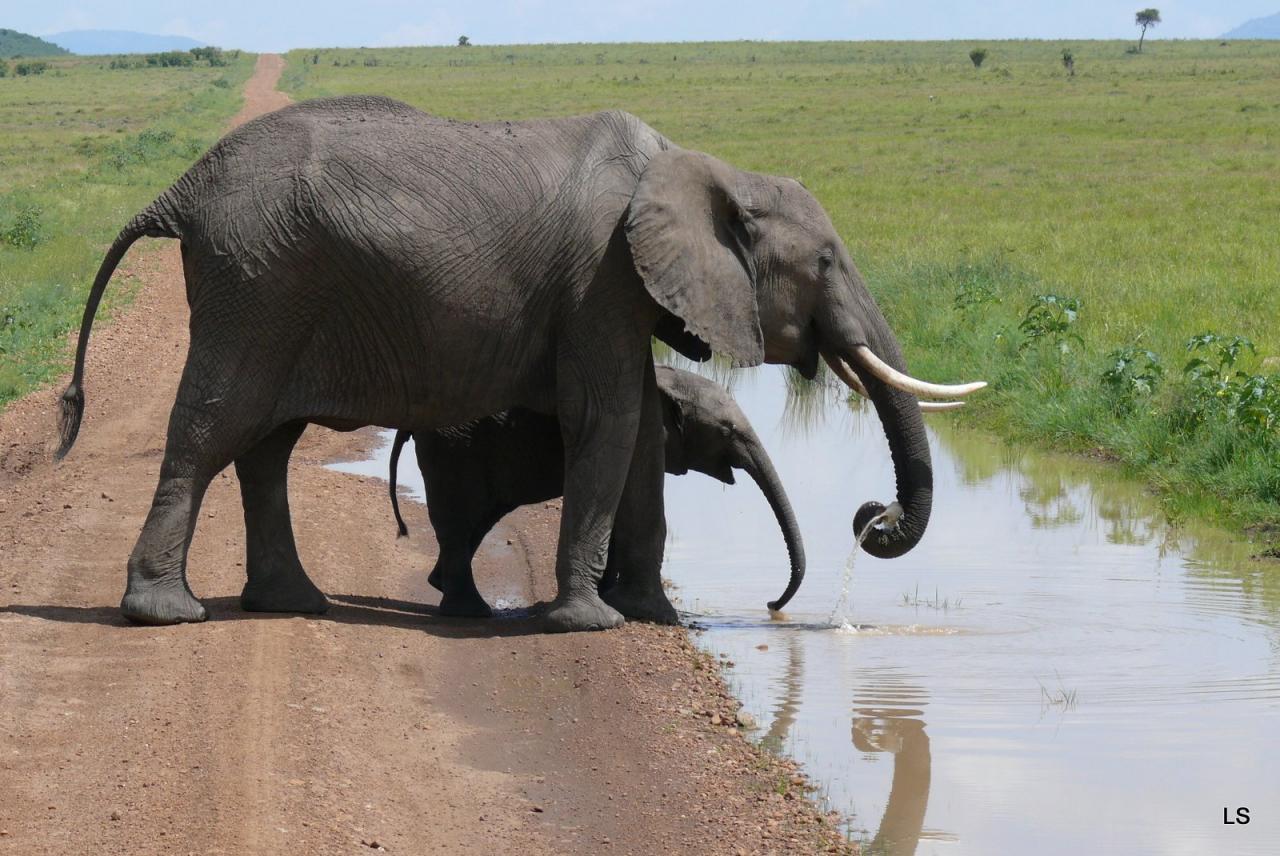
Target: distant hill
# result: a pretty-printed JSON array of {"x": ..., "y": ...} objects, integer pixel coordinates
[
  {"x": 13, "y": 43},
  {"x": 98, "y": 42},
  {"x": 1258, "y": 28}
]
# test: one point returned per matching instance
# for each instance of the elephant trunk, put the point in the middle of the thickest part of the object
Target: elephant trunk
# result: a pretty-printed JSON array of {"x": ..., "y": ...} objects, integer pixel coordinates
[
  {"x": 760, "y": 468},
  {"x": 899, "y": 412}
]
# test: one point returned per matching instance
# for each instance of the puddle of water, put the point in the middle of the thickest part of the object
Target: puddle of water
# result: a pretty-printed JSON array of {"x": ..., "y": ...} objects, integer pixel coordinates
[{"x": 1051, "y": 670}]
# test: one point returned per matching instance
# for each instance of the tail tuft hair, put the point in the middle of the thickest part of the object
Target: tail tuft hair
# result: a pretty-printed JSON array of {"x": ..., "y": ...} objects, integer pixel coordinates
[{"x": 70, "y": 412}]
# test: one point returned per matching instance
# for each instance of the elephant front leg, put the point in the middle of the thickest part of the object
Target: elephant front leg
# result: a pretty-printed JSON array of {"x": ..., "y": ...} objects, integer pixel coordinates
[
  {"x": 598, "y": 450},
  {"x": 277, "y": 581},
  {"x": 640, "y": 527}
]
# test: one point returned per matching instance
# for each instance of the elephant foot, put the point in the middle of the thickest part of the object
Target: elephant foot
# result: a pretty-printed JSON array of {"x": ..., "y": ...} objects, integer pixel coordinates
[
  {"x": 465, "y": 605},
  {"x": 161, "y": 602},
  {"x": 283, "y": 592},
  {"x": 581, "y": 612},
  {"x": 650, "y": 605}
]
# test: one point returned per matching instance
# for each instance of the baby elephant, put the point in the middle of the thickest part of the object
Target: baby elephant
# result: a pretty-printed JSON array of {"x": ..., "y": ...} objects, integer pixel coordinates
[{"x": 476, "y": 473}]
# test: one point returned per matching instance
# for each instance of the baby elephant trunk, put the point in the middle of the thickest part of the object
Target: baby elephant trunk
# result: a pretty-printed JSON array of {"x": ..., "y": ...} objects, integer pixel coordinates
[{"x": 760, "y": 468}]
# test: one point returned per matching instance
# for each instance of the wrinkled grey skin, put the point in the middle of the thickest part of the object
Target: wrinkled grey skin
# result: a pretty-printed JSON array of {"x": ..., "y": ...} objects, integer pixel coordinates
[
  {"x": 353, "y": 261},
  {"x": 478, "y": 473}
]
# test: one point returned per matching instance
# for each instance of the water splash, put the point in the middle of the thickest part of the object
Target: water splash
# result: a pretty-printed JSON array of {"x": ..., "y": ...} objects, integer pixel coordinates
[{"x": 840, "y": 615}]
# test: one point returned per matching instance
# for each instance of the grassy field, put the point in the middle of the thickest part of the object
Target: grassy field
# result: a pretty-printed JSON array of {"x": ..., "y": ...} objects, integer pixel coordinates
[
  {"x": 1140, "y": 194},
  {"x": 82, "y": 149}
]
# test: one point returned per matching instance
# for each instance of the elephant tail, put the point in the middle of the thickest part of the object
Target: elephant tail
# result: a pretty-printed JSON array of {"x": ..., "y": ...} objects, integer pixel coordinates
[
  {"x": 402, "y": 437},
  {"x": 151, "y": 222}
]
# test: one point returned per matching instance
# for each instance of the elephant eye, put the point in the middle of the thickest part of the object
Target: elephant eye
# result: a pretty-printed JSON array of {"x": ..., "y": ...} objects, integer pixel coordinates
[{"x": 825, "y": 261}]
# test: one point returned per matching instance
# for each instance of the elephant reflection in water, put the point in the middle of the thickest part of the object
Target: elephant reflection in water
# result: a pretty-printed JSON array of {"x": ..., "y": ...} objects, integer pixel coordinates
[
  {"x": 896, "y": 730},
  {"x": 887, "y": 730}
]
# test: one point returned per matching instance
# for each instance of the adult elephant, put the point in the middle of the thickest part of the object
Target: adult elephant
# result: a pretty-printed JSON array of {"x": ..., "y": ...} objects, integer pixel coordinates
[
  {"x": 353, "y": 261},
  {"x": 475, "y": 474}
]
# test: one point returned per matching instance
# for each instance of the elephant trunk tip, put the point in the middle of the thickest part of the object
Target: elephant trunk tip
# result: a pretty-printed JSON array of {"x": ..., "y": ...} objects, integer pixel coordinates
[{"x": 885, "y": 532}]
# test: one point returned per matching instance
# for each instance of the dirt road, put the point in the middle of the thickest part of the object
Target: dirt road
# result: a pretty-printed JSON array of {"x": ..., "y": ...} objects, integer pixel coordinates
[{"x": 378, "y": 725}]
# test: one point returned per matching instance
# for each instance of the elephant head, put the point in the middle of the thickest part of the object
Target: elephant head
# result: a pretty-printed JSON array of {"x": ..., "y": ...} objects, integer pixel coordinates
[
  {"x": 707, "y": 431},
  {"x": 751, "y": 266}
]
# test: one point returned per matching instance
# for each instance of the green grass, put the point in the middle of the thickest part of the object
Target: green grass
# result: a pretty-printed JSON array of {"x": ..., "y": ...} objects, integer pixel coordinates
[
  {"x": 82, "y": 149},
  {"x": 1144, "y": 187}
]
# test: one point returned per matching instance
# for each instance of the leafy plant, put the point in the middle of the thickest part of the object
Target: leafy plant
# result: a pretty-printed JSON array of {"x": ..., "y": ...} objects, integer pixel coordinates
[
  {"x": 1218, "y": 389},
  {"x": 1049, "y": 319},
  {"x": 170, "y": 59},
  {"x": 26, "y": 230},
  {"x": 977, "y": 56},
  {"x": 1222, "y": 354},
  {"x": 146, "y": 147},
  {"x": 1069, "y": 61},
  {"x": 211, "y": 55},
  {"x": 13, "y": 318},
  {"x": 973, "y": 291},
  {"x": 30, "y": 68},
  {"x": 1131, "y": 372}
]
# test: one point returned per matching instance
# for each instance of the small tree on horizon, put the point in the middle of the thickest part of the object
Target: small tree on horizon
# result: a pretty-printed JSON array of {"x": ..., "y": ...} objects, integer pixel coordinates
[
  {"x": 464, "y": 42},
  {"x": 1144, "y": 19},
  {"x": 1069, "y": 61},
  {"x": 976, "y": 56}
]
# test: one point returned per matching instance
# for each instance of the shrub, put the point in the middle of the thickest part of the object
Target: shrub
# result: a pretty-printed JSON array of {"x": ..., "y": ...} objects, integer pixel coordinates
[
  {"x": 170, "y": 59},
  {"x": 4, "y": 68},
  {"x": 977, "y": 56},
  {"x": 976, "y": 284},
  {"x": 1131, "y": 373},
  {"x": 211, "y": 55},
  {"x": 13, "y": 319},
  {"x": 1049, "y": 319},
  {"x": 26, "y": 230},
  {"x": 30, "y": 68},
  {"x": 1217, "y": 389},
  {"x": 146, "y": 147}
]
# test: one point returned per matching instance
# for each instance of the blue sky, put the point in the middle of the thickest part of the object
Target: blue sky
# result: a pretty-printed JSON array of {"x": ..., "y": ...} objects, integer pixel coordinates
[{"x": 271, "y": 25}]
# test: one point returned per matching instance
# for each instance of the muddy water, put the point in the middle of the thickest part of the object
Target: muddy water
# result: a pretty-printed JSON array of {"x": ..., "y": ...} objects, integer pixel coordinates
[{"x": 1053, "y": 670}]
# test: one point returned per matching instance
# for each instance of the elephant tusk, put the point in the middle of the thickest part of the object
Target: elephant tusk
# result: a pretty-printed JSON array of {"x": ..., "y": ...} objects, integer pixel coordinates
[
  {"x": 846, "y": 374},
  {"x": 907, "y": 383}
]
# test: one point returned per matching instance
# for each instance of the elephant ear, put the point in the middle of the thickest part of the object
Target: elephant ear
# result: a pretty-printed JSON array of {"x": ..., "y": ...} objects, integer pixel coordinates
[
  {"x": 673, "y": 425},
  {"x": 690, "y": 236}
]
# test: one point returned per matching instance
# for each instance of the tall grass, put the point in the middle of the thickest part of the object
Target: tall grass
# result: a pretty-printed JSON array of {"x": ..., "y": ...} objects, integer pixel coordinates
[
  {"x": 82, "y": 148},
  {"x": 1143, "y": 188}
]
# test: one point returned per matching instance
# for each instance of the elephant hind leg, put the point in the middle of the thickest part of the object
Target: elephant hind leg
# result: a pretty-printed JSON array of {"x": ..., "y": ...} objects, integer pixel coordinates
[
  {"x": 157, "y": 591},
  {"x": 277, "y": 581},
  {"x": 223, "y": 407},
  {"x": 453, "y": 574}
]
